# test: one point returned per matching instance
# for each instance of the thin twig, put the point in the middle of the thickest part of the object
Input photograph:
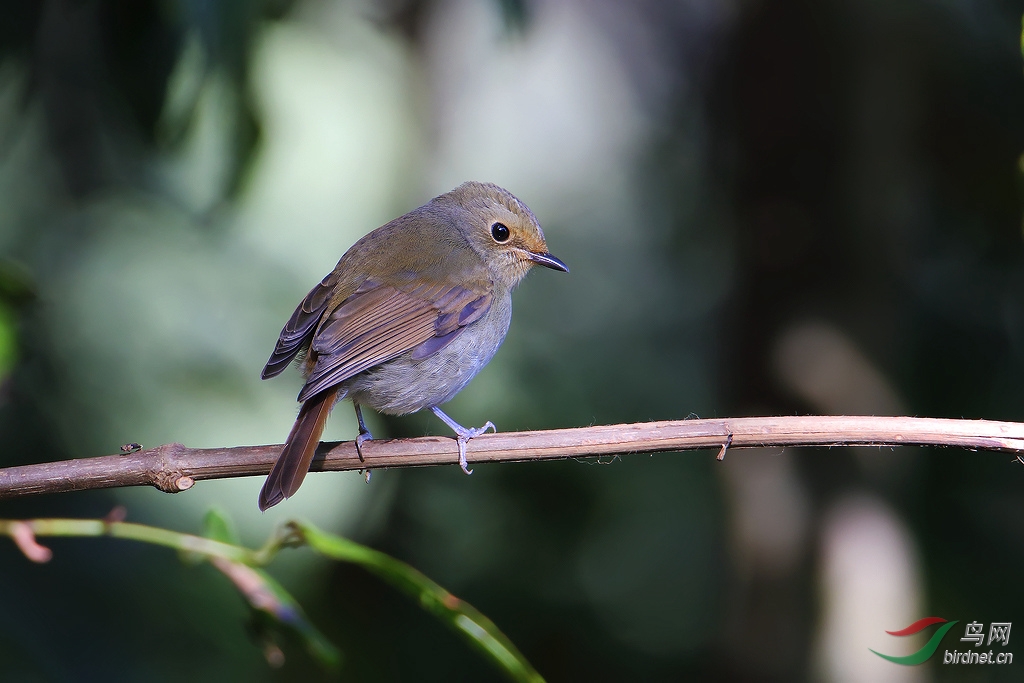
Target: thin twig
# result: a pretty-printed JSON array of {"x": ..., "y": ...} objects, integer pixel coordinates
[{"x": 174, "y": 468}]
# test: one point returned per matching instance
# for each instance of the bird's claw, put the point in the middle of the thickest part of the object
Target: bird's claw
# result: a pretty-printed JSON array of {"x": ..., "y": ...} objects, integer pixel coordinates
[
  {"x": 463, "y": 438},
  {"x": 363, "y": 436}
]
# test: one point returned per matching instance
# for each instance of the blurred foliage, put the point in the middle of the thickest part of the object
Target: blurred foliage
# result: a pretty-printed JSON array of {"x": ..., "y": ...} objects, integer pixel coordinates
[
  {"x": 15, "y": 292},
  {"x": 102, "y": 69},
  {"x": 266, "y": 597},
  {"x": 768, "y": 208}
]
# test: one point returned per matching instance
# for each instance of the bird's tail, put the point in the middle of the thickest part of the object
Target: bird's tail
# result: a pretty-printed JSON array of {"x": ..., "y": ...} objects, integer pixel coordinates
[{"x": 293, "y": 463}]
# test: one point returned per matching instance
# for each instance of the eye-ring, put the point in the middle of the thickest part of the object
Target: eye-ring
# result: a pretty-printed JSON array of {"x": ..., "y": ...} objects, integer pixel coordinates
[{"x": 500, "y": 232}]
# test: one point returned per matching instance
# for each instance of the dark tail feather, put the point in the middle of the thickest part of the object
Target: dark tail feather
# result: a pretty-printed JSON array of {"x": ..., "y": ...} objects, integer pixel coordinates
[{"x": 293, "y": 463}]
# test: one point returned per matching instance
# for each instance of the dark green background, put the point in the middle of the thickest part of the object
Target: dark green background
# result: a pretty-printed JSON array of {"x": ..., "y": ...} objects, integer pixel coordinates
[{"x": 850, "y": 166}]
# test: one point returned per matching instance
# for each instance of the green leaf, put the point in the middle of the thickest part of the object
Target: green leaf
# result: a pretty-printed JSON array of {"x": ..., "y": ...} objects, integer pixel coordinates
[{"x": 218, "y": 526}]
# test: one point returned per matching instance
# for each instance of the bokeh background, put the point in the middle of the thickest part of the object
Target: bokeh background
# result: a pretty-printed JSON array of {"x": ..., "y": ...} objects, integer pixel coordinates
[{"x": 769, "y": 207}]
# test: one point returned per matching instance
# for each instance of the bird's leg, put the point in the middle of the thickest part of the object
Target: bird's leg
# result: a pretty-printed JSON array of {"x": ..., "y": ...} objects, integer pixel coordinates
[
  {"x": 364, "y": 433},
  {"x": 463, "y": 435}
]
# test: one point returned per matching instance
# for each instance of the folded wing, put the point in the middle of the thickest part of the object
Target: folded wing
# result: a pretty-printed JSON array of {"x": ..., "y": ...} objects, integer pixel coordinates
[
  {"x": 380, "y": 322},
  {"x": 299, "y": 329}
]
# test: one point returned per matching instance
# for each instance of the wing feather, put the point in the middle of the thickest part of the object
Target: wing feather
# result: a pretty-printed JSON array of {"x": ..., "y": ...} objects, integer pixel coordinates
[
  {"x": 299, "y": 329},
  {"x": 381, "y": 322}
]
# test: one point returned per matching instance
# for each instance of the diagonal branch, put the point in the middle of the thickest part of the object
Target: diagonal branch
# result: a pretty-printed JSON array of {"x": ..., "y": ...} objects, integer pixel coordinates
[{"x": 174, "y": 467}]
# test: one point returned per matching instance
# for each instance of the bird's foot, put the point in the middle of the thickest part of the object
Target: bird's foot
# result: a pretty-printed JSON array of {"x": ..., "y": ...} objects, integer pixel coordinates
[
  {"x": 364, "y": 434},
  {"x": 363, "y": 437},
  {"x": 463, "y": 435}
]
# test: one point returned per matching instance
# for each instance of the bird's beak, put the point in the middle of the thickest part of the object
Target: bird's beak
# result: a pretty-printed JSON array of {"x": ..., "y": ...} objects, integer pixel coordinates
[{"x": 548, "y": 261}]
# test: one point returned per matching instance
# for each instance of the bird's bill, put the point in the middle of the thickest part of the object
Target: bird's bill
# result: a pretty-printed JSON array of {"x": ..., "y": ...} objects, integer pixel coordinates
[{"x": 548, "y": 261}]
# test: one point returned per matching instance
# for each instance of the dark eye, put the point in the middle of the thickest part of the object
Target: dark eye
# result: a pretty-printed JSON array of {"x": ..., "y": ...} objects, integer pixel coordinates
[{"x": 500, "y": 233}]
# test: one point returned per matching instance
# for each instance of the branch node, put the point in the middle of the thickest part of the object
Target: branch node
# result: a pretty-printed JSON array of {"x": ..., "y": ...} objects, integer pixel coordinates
[
  {"x": 173, "y": 481},
  {"x": 166, "y": 475}
]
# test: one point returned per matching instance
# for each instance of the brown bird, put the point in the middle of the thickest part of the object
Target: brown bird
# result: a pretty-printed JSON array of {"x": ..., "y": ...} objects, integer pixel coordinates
[{"x": 406, "y": 319}]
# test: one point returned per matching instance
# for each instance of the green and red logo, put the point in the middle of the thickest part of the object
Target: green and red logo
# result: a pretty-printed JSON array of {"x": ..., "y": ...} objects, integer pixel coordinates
[{"x": 929, "y": 648}]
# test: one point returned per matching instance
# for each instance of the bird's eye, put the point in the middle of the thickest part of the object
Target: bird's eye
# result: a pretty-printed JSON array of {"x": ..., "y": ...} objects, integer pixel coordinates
[{"x": 500, "y": 233}]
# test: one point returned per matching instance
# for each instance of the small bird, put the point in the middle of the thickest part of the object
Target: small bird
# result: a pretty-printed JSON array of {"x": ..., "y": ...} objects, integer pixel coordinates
[{"x": 407, "y": 318}]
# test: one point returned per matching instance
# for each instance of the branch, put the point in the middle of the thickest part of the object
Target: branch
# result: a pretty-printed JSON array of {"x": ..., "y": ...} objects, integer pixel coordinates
[{"x": 173, "y": 467}]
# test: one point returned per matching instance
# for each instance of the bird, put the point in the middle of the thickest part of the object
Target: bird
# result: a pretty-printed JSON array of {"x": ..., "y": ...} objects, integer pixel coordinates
[{"x": 411, "y": 313}]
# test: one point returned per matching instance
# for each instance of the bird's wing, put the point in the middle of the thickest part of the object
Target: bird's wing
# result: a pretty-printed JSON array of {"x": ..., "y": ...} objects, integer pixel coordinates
[
  {"x": 379, "y": 322},
  {"x": 299, "y": 329}
]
